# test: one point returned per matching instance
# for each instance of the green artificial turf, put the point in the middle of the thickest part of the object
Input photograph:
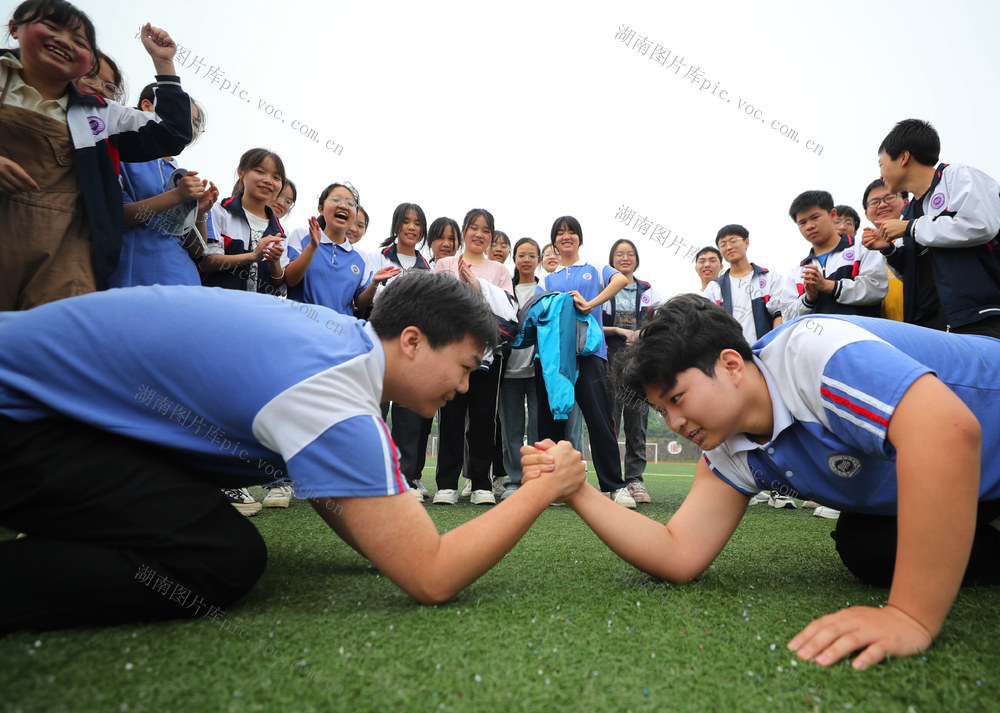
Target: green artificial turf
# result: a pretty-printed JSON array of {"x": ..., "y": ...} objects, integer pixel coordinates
[{"x": 558, "y": 624}]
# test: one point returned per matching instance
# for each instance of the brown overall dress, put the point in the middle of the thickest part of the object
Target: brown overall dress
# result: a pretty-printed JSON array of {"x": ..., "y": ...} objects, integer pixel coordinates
[{"x": 45, "y": 247}]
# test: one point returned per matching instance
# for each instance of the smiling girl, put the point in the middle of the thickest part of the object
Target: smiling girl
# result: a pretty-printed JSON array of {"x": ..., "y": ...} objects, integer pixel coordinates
[
  {"x": 443, "y": 239},
  {"x": 247, "y": 250},
  {"x": 60, "y": 196},
  {"x": 480, "y": 401},
  {"x": 518, "y": 384},
  {"x": 624, "y": 316},
  {"x": 325, "y": 269}
]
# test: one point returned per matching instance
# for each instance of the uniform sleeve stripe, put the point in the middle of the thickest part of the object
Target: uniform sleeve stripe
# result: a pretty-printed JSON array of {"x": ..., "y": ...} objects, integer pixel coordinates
[
  {"x": 859, "y": 396},
  {"x": 393, "y": 478},
  {"x": 861, "y": 423},
  {"x": 872, "y": 416}
]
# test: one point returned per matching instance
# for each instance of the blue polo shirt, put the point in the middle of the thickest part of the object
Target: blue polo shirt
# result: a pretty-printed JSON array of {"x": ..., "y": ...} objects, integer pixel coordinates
[
  {"x": 247, "y": 387},
  {"x": 834, "y": 383},
  {"x": 336, "y": 275},
  {"x": 589, "y": 282}
]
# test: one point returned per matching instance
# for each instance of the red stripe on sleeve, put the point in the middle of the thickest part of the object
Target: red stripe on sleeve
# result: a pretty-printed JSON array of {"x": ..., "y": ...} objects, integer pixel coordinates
[{"x": 861, "y": 410}]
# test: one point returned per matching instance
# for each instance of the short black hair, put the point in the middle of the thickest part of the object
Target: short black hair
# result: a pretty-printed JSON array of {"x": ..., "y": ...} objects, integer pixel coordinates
[
  {"x": 810, "y": 199},
  {"x": 611, "y": 253},
  {"x": 686, "y": 331},
  {"x": 879, "y": 183},
  {"x": 443, "y": 308},
  {"x": 916, "y": 136},
  {"x": 708, "y": 249},
  {"x": 732, "y": 229},
  {"x": 845, "y": 211},
  {"x": 572, "y": 223}
]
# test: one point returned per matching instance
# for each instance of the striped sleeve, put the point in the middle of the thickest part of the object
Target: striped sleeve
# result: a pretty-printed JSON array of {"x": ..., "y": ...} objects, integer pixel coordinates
[{"x": 860, "y": 388}]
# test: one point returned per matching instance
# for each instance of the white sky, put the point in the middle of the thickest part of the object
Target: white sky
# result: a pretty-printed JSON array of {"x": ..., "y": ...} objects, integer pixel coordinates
[{"x": 534, "y": 110}]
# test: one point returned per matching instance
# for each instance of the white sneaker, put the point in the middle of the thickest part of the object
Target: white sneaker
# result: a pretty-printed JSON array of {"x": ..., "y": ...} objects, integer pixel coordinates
[
  {"x": 417, "y": 494},
  {"x": 242, "y": 500},
  {"x": 483, "y": 497},
  {"x": 782, "y": 502},
  {"x": 828, "y": 513},
  {"x": 637, "y": 489},
  {"x": 760, "y": 498},
  {"x": 278, "y": 497},
  {"x": 622, "y": 497},
  {"x": 467, "y": 490},
  {"x": 446, "y": 497},
  {"x": 498, "y": 486}
]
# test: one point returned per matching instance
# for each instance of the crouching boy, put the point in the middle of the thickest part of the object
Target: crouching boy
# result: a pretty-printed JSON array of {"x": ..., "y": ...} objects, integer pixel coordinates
[
  {"x": 122, "y": 414},
  {"x": 838, "y": 409}
]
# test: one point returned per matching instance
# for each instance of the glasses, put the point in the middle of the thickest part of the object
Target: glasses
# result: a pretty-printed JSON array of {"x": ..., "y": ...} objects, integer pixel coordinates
[
  {"x": 98, "y": 84},
  {"x": 621, "y": 254},
  {"x": 287, "y": 202},
  {"x": 887, "y": 198},
  {"x": 337, "y": 200},
  {"x": 843, "y": 221},
  {"x": 730, "y": 241}
]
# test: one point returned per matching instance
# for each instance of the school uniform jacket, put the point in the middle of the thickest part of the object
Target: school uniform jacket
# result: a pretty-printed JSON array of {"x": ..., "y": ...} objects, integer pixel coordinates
[
  {"x": 646, "y": 299},
  {"x": 763, "y": 311},
  {"x": 106, "y": 133},
  {"x": 958, "y": 222},
  {"x": 233, "y": 238},
  {"x": 860, "y": 277}
]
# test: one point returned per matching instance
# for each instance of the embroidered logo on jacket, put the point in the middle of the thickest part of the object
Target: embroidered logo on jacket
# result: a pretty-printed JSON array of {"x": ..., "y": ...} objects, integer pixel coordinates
[
  {"x": 844, "y": 465},
  {"x": 97, "y": 124}
]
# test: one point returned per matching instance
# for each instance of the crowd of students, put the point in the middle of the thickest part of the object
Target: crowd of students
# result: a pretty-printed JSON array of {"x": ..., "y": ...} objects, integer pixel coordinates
[{"x": 511, "y": 359}]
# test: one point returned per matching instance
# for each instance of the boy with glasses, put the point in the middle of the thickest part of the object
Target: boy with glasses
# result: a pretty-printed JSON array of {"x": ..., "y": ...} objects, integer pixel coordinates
[{"x": 881, "y": 205}]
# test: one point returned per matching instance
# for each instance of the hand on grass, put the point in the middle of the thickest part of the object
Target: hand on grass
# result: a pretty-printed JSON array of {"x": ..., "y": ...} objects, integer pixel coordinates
[{"x": 876, "y": 632}]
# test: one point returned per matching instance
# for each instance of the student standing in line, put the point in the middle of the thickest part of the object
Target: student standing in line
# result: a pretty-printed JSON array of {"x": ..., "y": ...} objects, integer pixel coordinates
[
  {"x": 283, "y": 203},
  {"x": 881, "y": 205},
  {"x": 624, "y": 316},
  {"x": 752, "y": 295},
  {"x": 708, "y": 265},
  {"x": 325, "y": 269},
  {"x": 590, "y": 288},
  {"x": 443, "y": 239},
  {"x": 838, "y": 276},
  {"x": 158, "y": 245},
  {"x": 500, "y": 247},
  {"x": 246, "y": 253},
  {"x": 410, "y": 430},
  {"x": 480, "y": 402},
  {"x": 517, "y": 387},
  {"x": 574, "y": 424}
]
